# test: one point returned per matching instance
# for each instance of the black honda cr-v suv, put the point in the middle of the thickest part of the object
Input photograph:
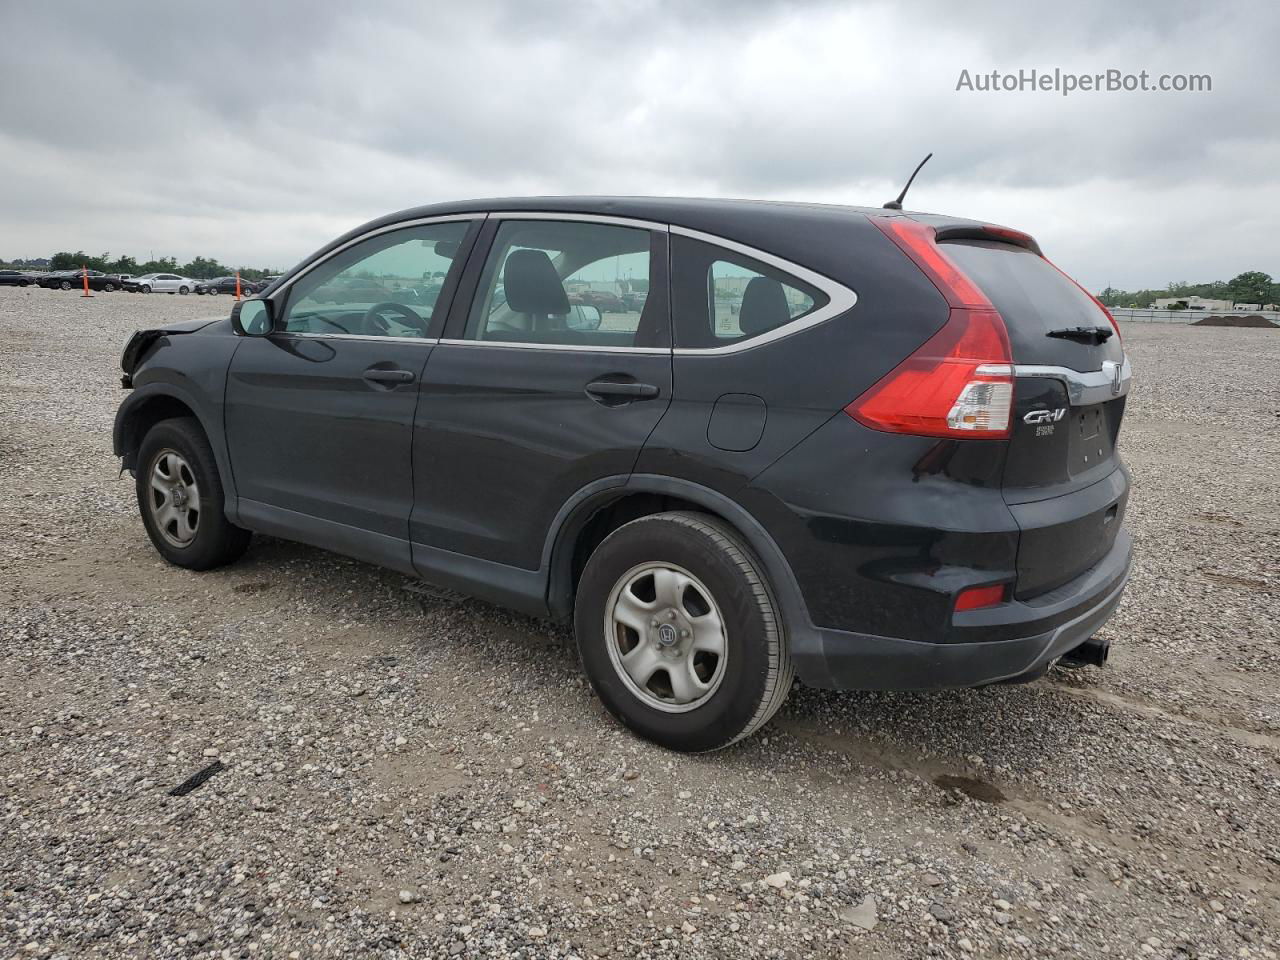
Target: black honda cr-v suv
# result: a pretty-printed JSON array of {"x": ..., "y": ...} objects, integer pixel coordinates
[{"x": 731, "y": 441}]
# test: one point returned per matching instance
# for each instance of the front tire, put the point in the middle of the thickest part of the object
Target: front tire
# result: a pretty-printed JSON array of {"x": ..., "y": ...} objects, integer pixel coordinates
[
  {"x": 65, "y": 285},
  {"x": 184, "y": 290},
  {"x": 180, "y": 497},
  {"x": 678, "y": 632},
  {"x": 145, "y": 289}
]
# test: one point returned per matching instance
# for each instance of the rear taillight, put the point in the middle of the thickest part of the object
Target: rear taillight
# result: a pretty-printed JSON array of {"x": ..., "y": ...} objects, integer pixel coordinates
[
  {"x": 960, "y": 382},
  {"x": 975, "y": 598}
]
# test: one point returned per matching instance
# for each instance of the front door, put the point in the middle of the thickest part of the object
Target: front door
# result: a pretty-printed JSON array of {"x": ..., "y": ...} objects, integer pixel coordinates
[
  {"x": 319, "y": 414},
  {"x": 555, "y": 368}
]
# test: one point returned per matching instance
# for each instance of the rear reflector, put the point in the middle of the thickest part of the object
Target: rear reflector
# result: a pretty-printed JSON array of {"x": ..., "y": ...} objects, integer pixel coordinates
[
  {"x": 976, "y": 597},
  {"x": 960, "y": 382}
]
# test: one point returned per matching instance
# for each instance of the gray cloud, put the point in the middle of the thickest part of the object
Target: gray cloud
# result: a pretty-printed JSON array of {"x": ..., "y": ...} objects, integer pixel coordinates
[{"x": 257, "y": 134}]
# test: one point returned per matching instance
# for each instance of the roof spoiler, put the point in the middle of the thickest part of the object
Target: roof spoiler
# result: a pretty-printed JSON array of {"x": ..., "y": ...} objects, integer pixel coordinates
[{"x": 980, "y": 231}]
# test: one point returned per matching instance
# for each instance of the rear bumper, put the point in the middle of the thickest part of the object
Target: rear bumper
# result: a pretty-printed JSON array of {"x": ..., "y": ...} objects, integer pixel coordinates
[{"x": 1045, "y": 628}]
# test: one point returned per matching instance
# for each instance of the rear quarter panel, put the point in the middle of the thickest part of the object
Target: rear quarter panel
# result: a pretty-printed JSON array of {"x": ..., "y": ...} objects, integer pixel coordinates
[{"x": 805, "y": 379}]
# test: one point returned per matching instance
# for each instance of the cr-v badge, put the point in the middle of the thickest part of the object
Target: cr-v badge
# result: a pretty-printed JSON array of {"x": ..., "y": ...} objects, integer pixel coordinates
[
  {"x": 1043, "y": 420},
  {"x": 1045, "y": 416}
]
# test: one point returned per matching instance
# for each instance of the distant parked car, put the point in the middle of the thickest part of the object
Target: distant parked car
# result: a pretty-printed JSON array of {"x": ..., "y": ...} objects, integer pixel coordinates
[
  {"x": 161, "y": 283},
  {"x": 353, "y": 290},
  {"x": 605, "y": 301},
  {"x": 55, "y": 280},
  {"x": 74, "y": 280},
  {"x": 15, "y": 278},
  {"x": 226, "y": 285}
]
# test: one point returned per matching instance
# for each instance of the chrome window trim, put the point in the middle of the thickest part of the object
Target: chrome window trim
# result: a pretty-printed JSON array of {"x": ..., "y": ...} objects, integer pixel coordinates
[
  {"x": 1083, "y": 389},
  {"x": 574, "y": 347},
  {"x": 389, "y": 228},
  {"x": 353, "y": 336},
  {"x": 840, "y": 299},
  {"x": 583, "y": 217}
]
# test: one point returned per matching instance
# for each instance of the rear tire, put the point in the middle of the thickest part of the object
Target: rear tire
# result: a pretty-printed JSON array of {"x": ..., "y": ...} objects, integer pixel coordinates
[
  {"x": 65, "y": 285},
  {"x": 175, "y": 469},
  {"x": 691, "y": 587}
]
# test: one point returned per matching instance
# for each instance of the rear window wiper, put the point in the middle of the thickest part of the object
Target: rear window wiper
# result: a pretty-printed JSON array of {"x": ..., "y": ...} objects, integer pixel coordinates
[{"x": 1083, "y": 334}]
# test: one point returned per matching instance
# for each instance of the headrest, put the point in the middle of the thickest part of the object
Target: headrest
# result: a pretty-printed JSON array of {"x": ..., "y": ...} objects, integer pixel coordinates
[
  {"x": 764, "y": 306},
  {"x": 532, "y": 285}
]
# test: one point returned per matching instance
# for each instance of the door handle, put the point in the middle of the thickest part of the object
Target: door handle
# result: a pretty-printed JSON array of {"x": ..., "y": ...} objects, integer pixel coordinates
[
  {"x": 611, "y": 390},
  {"x": 378, "y": 375}
]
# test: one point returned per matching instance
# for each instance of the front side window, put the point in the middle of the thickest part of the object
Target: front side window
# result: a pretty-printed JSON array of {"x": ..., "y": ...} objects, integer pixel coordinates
[
  {"x": 721, "y": 297},
  {"x": 568, "y": 284},
  {"x": 386, "y": 286}
]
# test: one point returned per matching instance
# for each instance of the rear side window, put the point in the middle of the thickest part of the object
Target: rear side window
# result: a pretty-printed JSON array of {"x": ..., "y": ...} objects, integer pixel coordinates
[
  {"x": 567, "y": 283},
  {"x": 721, "y": 297}
]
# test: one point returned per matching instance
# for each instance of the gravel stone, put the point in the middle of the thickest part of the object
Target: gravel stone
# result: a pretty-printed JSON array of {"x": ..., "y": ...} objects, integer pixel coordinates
[{"x": 371, "y": 730}]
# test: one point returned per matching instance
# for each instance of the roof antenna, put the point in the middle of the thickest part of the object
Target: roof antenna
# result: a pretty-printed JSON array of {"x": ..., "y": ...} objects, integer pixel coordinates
[{"x": 897, "y": 204}]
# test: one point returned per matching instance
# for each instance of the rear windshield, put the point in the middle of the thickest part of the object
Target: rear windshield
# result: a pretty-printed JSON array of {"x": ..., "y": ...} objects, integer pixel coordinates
[{"x": 1034, "y": 299}]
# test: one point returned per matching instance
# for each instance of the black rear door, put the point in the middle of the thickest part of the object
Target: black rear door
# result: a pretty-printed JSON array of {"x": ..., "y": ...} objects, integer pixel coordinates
[
  {"x": 1063, "y": 479},
  {"x": 554, "y": 371}
]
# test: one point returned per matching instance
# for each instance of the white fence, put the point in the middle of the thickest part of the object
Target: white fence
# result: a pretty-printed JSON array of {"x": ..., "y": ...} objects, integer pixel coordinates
[{"x": 1134, "y": 315}]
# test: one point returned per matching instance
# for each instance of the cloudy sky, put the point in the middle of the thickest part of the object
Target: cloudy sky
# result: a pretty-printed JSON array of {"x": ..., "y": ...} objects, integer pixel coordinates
[{"x": 256, "y": 134}]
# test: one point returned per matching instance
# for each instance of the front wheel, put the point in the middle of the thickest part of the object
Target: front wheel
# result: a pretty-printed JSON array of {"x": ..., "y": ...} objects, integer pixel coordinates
[
  {"x": 184, "y": 290},
  {"x": 678, "y": 632},
  {"x": 65, "y": 285},
  {"x": 144, "y": 288},
  {"x": 180, "y": 496},
  {"x": 109, "y": 287}
]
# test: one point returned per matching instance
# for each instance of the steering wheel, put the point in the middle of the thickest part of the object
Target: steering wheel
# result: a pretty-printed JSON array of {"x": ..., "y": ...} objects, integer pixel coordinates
[{"x": 374, "y": 320}]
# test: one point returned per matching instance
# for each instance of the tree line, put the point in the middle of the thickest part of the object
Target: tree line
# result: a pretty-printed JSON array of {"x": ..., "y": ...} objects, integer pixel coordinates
[
  {"x": 1252, "y": 286},
  {"x": 201, "y": 268}
]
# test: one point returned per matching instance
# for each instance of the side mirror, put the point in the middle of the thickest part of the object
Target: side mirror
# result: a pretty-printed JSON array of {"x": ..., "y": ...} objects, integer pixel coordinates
[
  {"x": 583, "y": 316},
  {"x": 252, "y": 318}
]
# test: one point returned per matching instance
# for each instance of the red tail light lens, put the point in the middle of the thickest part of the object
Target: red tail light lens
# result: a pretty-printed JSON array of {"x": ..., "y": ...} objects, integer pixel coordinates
[
  {"x": 960, "y": 382},
  {"x": 977, "y": 597}
]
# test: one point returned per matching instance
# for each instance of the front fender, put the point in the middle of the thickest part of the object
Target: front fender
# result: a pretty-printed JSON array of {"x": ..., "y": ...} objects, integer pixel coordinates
[{"x": 162, "y": 391}]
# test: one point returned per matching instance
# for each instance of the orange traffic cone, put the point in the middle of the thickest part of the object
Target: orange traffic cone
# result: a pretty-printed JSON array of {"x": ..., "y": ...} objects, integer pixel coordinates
[
  {"x": 237, "y": 284},
  {"x": 84, "y": 274}
]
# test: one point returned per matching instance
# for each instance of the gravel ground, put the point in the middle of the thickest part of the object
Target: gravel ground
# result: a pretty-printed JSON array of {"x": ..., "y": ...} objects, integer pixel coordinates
[{"x": 408, "y": 773}]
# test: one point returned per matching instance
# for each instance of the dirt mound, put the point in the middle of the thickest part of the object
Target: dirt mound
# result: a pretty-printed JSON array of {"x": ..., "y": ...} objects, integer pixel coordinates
[{"x": 1235, "y": 320}]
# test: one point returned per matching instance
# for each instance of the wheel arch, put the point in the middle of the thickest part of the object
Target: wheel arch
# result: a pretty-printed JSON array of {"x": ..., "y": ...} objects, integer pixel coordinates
[
  {"x": 601, "y": 508},
  {"x": 150, "y": 404}
]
